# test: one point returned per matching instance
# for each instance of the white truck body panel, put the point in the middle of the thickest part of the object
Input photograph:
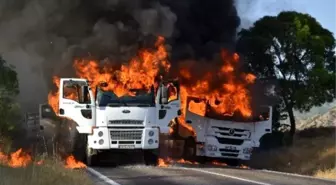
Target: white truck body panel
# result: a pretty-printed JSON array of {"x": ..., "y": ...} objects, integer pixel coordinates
[
  {"x": 227, "y": 139},
  {"x": 121, "y": 126}
]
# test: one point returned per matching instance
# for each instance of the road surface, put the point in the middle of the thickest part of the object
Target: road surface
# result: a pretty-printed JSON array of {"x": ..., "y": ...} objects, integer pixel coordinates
[{"x": 195, "y": 175}]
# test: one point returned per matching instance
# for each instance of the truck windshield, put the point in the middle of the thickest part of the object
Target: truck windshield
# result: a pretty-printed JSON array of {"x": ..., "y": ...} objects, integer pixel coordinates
[
  {"x": 259, "y": 114},
  {"x": 141, "y": 98}
]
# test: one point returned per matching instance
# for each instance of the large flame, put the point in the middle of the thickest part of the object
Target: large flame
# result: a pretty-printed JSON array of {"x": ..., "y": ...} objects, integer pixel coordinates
[
  {"x": 142, "y": 72},
  {"x": 20, "y": 159},
  {"x": 16, "y": 159}
]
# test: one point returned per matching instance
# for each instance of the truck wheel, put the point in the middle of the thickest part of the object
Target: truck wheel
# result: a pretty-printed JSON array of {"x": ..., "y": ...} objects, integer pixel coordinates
[
  {"x": 79, "y": 146},
  {"x": 189, "y": 149},
  {"x": 151, "y": 157},
  {"x": 201, "y": 159},
  {"x": 233, "y": 162}
]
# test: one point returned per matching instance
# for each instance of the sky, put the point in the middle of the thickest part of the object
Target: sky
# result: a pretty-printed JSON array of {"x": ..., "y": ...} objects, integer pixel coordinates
[{"x": 324, "y": 12}]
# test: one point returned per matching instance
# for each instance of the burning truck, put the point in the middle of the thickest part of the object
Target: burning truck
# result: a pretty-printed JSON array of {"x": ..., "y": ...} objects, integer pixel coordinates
[
  {"x": 107, "y": 122},
  {"x": 228, "y": 137}
]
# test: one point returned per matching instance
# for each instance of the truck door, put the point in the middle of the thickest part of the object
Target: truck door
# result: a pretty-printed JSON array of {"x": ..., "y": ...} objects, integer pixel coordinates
[
  {"x": 76, "y": 102},
  {"x": 194, "y": 116},
  {"x": 262, "y": 124},
  {"x": 168, "y": 103}
]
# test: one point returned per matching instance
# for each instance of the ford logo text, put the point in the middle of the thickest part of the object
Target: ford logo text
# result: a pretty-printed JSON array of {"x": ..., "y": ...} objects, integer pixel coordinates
[{"x": 126, "y": 111}]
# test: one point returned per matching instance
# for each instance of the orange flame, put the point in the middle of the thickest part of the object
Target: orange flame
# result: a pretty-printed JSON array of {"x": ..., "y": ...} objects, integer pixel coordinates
[
  {"x": 228, "y": 97},
  {"x": 40, "y": 162},
  {"x": 166, "y": 162},
  {"x": 72, "y": 163},
  {"x": 219, "y": 163},
  {"x": 16, "y": 159},
  {"x": 162, "y": 163}
]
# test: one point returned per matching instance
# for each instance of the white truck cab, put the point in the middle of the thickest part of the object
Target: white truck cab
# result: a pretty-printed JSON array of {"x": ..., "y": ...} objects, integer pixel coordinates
[
  {"x": 109, "y": 122},
  {"x": 230, "y": 137}
]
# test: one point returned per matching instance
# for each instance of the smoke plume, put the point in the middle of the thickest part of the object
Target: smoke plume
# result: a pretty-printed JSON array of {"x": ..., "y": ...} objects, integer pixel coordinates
[{"x": 42, "y": 37}]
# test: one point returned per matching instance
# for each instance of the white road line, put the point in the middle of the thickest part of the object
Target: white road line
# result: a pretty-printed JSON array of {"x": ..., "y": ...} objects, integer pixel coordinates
[
  {"x": 223, "y": 175},
  {"x": 296, "y": 175},
  {"x": 102, "y": 177}
]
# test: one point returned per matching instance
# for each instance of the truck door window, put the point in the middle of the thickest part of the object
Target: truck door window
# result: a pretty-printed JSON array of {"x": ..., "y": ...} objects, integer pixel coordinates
[
  {"x": 198, "y": 108},
  {"x": 172, "y": 92},
  {"x": 76, "y": 92}
]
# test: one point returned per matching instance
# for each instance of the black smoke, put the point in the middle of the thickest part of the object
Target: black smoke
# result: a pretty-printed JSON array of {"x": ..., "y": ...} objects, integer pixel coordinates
[{"x": 41, "y": 37}]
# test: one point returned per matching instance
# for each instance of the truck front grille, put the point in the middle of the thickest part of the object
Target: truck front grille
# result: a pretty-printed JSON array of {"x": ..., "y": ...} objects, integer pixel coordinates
[
  {"x": 230, "y": 141},
  {"x": 126, "y": 122},
  {"x": 126, "y": 134},
  {"x": 234, "y": 133}
]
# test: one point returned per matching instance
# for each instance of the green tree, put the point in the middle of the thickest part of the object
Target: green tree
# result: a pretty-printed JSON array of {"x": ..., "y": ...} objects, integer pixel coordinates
[
  {"x": 9, "y": 89},
  {"x": 298, "y": 52}
]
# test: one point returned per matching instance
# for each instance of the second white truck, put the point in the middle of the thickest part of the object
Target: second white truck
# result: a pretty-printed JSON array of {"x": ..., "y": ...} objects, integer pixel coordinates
[
  {"x": 106, "y": 122},
  {"x": 232, "y": 138}
]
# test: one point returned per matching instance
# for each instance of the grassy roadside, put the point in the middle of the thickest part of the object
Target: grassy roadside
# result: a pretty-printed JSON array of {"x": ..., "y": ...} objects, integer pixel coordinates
[
  {"x": 50, "y": 172},
  {"x": 313, "y": 153}
]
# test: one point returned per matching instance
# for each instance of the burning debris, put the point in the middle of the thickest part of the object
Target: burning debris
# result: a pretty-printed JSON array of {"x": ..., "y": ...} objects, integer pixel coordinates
[
  {"x": 168, "y": 162},
  {"x": 16, "y": 159},
  {"x": 21, "y": 159},
  {"x": 72, "y": 163}
]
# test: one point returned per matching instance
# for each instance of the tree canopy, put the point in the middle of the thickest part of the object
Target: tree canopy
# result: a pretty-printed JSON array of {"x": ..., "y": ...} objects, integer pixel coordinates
[
  {"x": 9, "y": 89},
  {"x": 298, "y": 52}
]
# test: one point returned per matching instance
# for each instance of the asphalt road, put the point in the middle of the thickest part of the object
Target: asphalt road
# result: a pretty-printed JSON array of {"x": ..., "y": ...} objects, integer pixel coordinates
[{"x": 195, "y": 175}]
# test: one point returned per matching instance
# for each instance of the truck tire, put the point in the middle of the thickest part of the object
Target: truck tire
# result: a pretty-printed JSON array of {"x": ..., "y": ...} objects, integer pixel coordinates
[
  {"x": 151, "y": 157},
  {"x": 79, "y": 146},
  {"x": 189, "y": 150},
  {"x": 81, "y": 150},
  {"x": 233, "y": 162}
]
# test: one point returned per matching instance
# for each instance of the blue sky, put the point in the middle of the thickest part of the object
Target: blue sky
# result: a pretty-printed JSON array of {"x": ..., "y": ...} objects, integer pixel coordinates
[{"x": 323, "y": 10}]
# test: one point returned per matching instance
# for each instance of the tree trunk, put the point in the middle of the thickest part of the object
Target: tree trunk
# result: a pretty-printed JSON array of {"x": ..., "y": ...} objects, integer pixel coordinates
[
  {"x": 289, "y": 108},
  {"x": 292, "y": 121}
]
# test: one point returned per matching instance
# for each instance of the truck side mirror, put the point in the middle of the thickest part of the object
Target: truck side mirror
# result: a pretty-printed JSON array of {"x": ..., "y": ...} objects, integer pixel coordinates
[{"x": 164, "y": 95}]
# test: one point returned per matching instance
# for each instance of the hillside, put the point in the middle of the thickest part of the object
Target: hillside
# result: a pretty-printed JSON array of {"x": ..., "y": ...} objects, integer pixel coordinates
[{"x": 326, "y": 119}]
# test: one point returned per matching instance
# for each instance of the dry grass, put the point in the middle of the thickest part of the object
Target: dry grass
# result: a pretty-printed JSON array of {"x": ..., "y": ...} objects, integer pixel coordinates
[
  {"x": 328, "y": 174},
  {"x": 51, "y": 173},
  {"x": 313, "y": 153}
]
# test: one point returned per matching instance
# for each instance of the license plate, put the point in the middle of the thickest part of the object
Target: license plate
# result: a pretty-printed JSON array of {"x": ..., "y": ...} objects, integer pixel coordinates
[
  {"x": 230, "y": 148},
  {"x": 126, "y": 146}
]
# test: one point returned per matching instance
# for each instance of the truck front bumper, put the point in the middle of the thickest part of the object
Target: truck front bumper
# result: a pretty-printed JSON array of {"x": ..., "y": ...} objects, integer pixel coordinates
[
  {"x": 104, "y": 138},
  {"x": 212, "y": 148}
]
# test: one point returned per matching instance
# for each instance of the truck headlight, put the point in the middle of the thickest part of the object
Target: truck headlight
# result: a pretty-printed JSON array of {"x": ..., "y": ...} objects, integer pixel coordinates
[
  {"x": 151, "y": 133},
  {"x": 248, "y": 134},
  {"x": 100, "y": 133},
  {"x": 247, "y": 150},
  {"x": 150, "y": 141},
  {"x": 212, "y": 148}
]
